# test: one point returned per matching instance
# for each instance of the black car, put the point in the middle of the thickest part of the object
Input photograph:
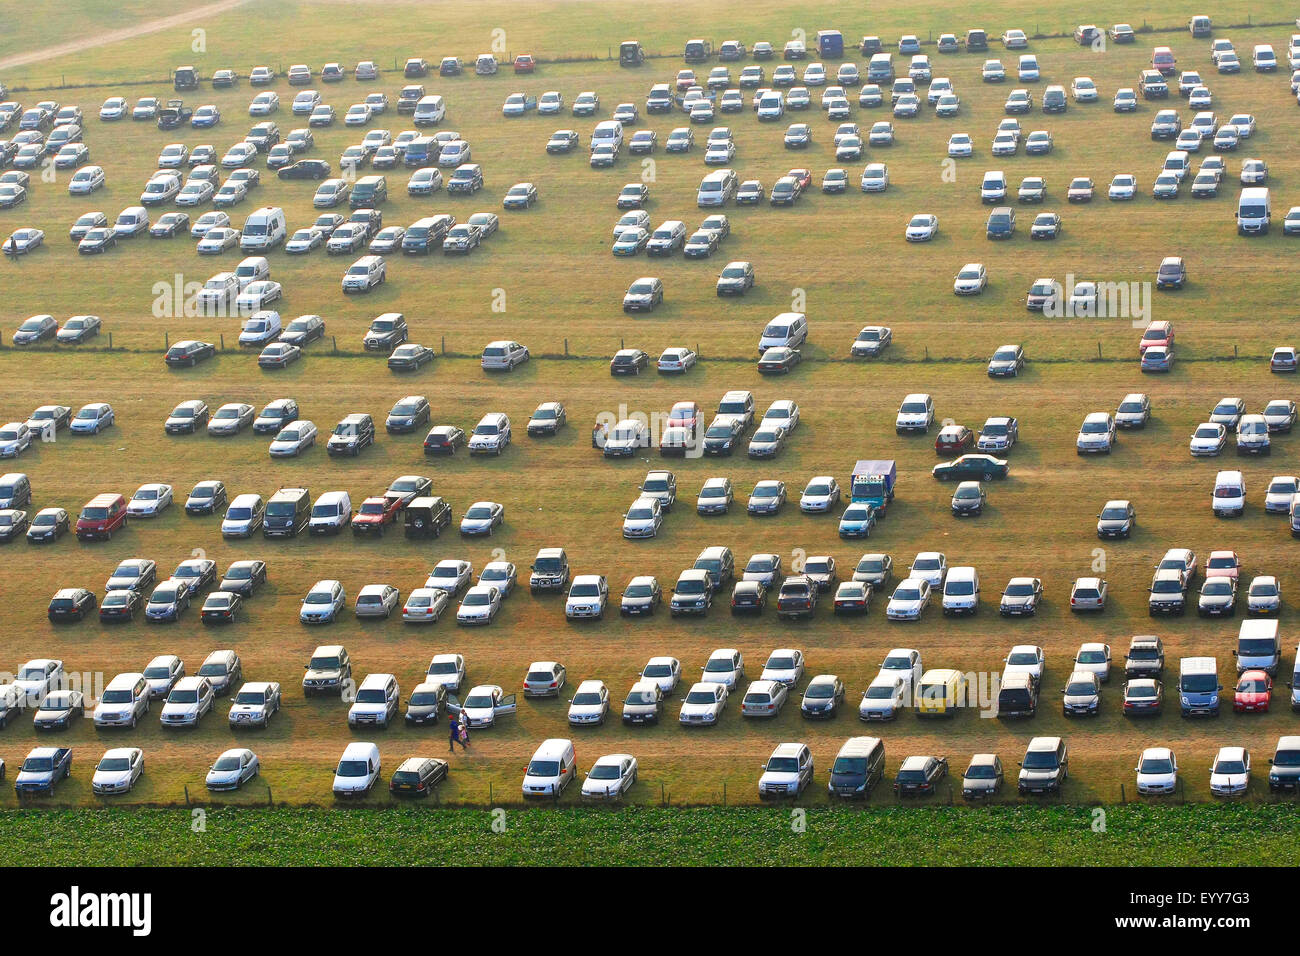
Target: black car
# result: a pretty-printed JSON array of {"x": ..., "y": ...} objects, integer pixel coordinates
[
  {"x": 822, "y": 698},
  {"x": 71, "y": 604},
  {"x": 170, "y": 225},
  {"x": 189, "y": 353},
  {"x": 306, "y": 169},
  {"x": 407, "y": 415},
  {"x": 303, "y": 330},
  {"x": 426, "y": 517},
  {"x": 244, "y": 578},
  {"x": 409, "y": 357},
  {"x": 443, "y": 440},
  {"x": 779, "y": 360},
  {"x": 206, "y": 498},
  {"x": 221, "y": 607},
  {"x": 748, "y": 597},
  {"x": 418, "y": 776},
  {"x": 121, "y": 605},
  {"x": 629, "y": 362},
  {"x": 920, "y": 775},
  {"x": 13, "y": 524},
  {"x": 49, "y": 525},
  {"x": 97, "y": 240},
  {"x": 386, "y": 333},
  {"x": 721, "y": 436}
]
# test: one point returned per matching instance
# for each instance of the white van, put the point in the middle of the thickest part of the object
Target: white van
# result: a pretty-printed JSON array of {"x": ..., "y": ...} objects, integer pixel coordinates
[
  {"x": 1178, "y": 162},
  {"x": 331, "y": 513},
  {"x": 994, "y": 186},
  {"x": 264, "y": 228},
  {"x": 789, "y": 329},
  {"x": 961, "y": 591},
  {"x": 1229, "y": 493},
  {"x": 1028, "y": 71},
  {"x": 880, "y": 69},
  {"x": 1253, "y": 211},
  {"x": 1259, "y": 645},
  {"x": 1264, "y": 59},
  {"x": 358, "y": 770},
  {"x": 552, "y": 769},
  {"x": 429, "y": 111},
  {"x": 259, "y": 328},
  {"x": 608, "y": 131},
  {"x": 771, "y": 105},
  {"x": 717, "y": 188}
]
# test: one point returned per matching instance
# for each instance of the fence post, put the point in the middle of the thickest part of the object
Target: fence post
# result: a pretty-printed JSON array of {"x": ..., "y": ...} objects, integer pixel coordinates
[
  {"x": 566, "y": 348},
  {"x": 489, "y": 791},
  {"x": 222, "y": 339},
  {"x": 110, "y": 341},
  {"x": 166, "y": 341},
  {"x": 1099, "y": 348},
  {"x": 1123, "y": 798},
  {"x": 187, "y": 795},
  {"x": 724, "y": 792},
  {"x": 270, "y": 800},
  {"x": 444, "y": 345},
  {"x": 334, "y": 340}
]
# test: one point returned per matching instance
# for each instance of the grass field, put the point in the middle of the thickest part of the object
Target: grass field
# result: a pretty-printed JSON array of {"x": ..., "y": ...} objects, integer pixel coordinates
[
  {"x": 562, "y": 291},
  {"x": 713, "y": 836}
]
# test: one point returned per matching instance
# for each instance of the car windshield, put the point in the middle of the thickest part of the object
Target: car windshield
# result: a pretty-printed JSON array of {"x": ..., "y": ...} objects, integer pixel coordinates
[{"x": 1224, "y": 766}]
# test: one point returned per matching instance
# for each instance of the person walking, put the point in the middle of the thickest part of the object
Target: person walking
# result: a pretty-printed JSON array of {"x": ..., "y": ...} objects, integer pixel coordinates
[
  {"x": 454, "y": 731},
  {"x": 464, "y": 731}
]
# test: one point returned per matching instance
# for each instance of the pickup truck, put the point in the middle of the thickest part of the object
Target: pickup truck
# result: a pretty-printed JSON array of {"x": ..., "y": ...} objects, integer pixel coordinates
[
  {"x": 43, "y": 768},
  {"x": 873, "y": 483},
  {"x": 174, "y": 115},
  {"x": 517, "y": 104}
]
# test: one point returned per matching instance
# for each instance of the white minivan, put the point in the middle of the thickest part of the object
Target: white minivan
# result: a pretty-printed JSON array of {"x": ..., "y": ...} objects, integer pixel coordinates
[
  {"x": 608, "y": 131},
  {"x": 331, "y": 513},
  {"x": 358, "y": 770},
  {"x": 1028, "y": 71},
  {"x": 771, "y": 105},
  {"x": 961, "y": 591},
  {"x": 552, "y": 769},
  {"x": 429, "y": 111},
  {"x": 1253, "y": 211}
]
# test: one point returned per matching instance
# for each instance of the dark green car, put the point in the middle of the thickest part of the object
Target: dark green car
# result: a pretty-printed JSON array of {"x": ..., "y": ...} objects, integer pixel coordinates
[{"x": 984, "y": 467}]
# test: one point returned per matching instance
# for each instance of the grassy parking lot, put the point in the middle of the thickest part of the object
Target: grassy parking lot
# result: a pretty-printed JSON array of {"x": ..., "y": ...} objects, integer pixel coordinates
[{"x": 561, "y": 290}]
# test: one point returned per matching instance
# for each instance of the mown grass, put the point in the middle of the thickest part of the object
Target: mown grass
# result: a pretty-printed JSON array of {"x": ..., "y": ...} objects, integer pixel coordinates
[
  {"x": 1004, "y": 836},
  {"x": 562, "y": 290}
]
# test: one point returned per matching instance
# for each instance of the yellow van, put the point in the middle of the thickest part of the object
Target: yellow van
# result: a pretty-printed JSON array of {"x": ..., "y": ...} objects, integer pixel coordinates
[{"x": 937, "y": 694}]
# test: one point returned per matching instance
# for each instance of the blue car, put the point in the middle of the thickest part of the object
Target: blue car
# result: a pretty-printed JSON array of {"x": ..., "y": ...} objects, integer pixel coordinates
[
  {"x": 205, "y": 117},
  {"x": 92, "y": 419},
  {"x": 1158, "y": 358},
  {"x": 857, "y": 521}
]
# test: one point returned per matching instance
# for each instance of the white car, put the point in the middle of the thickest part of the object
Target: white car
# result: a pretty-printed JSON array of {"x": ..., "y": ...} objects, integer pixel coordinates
[
  {"x": 479, "y": 605},
  {"x": 931, "y": 566},
  {"x": 588, "y": 595},
  {"x": 293, "y": 439},
  {"x": 425, "y": 605},
  {"x": 254, "y": 704},
  {"x": 232, "y": 769},
  {"x": 1084, "y": 90},
  {"x": 376, "y": 701},
  {"x": 922, "y": 228},
  {"x": 677, "y": 360},
  {"x": 783, "y": 412},
  {"x": 1281, "y": 488},
  {"x": 1157, "y": 771},
  {"x": 38, "y": 677},
  {"x": 610, "y": 777},
  {"x": 258, "y": 295},
  {"x": 447, "y": 670},
  {"x": 703, "y": 704},
  {"x": 884, "y": 698},
  {"x": 1123, "y": 187},
  {"x": 785, "y": 665},
  {"x": 725, "y": 666},
  {"x": 1024, "y": 659},
  {"x": 86, "y": 180},
  {"x": 1094, "y": 658},
  {"x": 960, "y": 145},
  {"x": 590, "y": 703},
  {"x": 162, "y": 673},
  {"x": 909, "y": 600},
  {"x": 821, "y": 494},
  {"x": 971, "y": 279},
  {"x": 664, "y": 671},
  {"x": 451, "y": 575},
  {"x": 787, "y": 772},
  {"x": 188, "y": 701},
  {"x": 1253, "y": 172},
  {"x": 1208, "y": 440},
  {"x": 644, "y": 518},
  {"x": 118, "y": 770},
  {"x": 1230, "y": 772}
]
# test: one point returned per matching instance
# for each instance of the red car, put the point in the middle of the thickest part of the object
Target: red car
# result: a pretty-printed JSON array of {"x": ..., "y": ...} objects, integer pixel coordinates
[
  {"x": 954, "y": 439},
  {"x": 374, "y": 514},
  {"x": 101, "y": 516},
  {"x": 524, "y": 63},
  {"x": 1225, "y": 564},
  {"x": 684, "y": 415},
  {"x": 1157, "y": 333},
  {"x": 802, "y": 176},
  {"x": 1254, "y": 691}
]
